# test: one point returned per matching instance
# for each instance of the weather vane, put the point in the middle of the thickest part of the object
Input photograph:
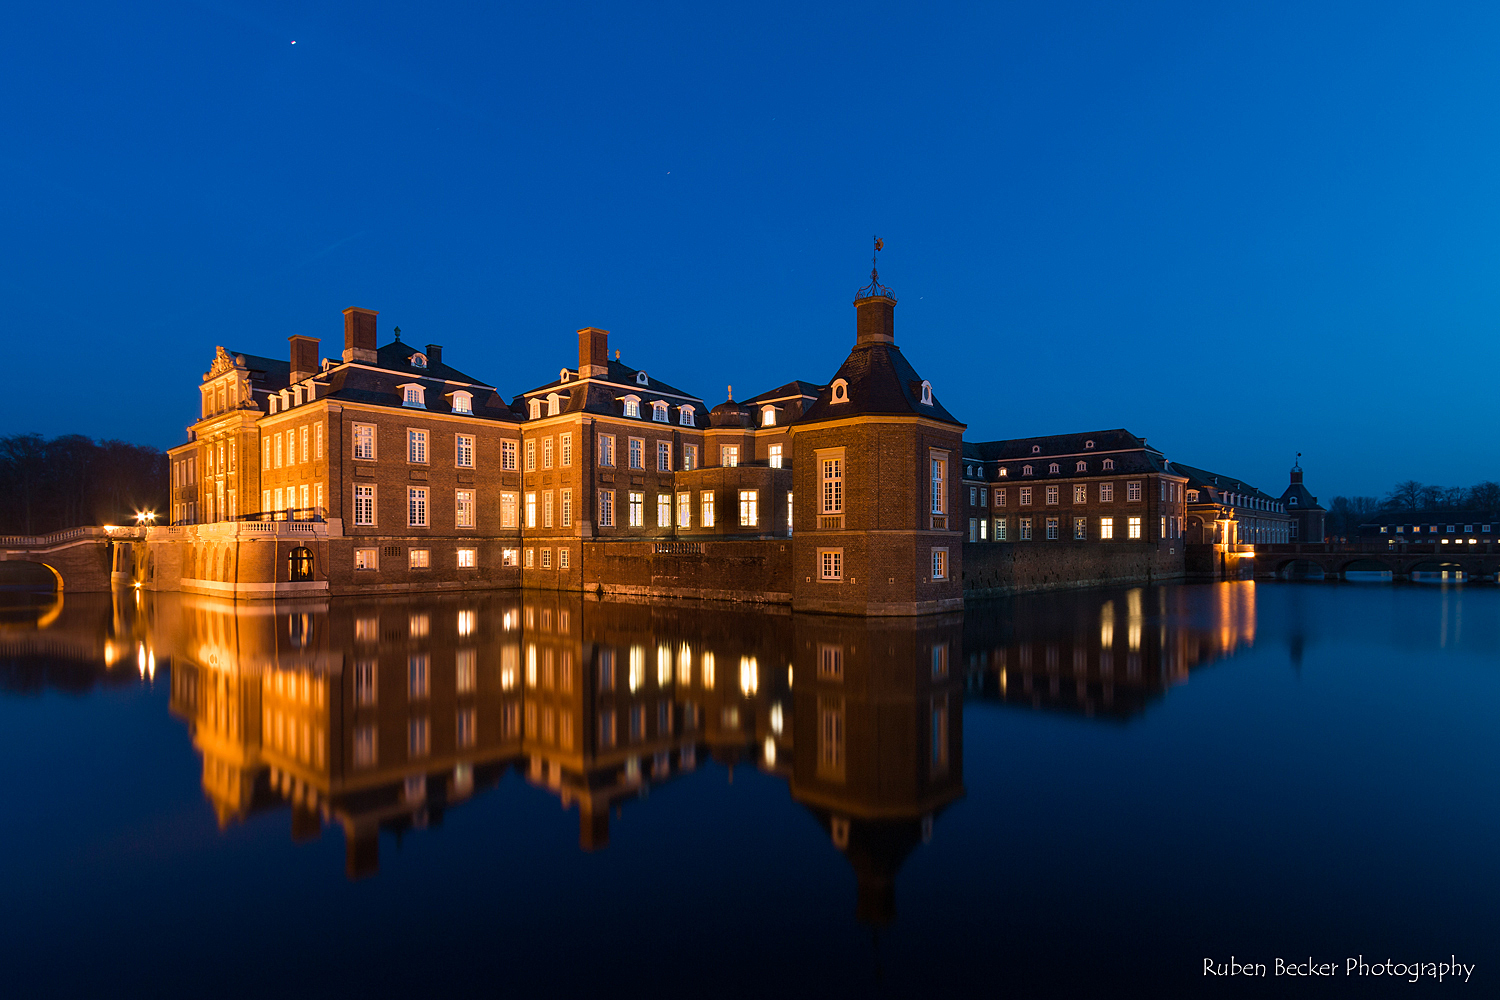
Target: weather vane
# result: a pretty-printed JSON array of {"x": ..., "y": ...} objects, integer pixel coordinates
[{"x": 875, "y": 288}]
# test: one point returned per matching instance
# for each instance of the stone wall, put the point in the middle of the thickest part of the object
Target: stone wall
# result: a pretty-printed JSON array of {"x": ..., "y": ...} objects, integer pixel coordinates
[
  {"x": 997, "y": 569},
  {"x": 757, "y": 571}
]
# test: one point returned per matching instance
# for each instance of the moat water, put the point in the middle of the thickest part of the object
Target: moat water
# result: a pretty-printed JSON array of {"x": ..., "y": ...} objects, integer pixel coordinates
[{"x": 529, "y": 794}]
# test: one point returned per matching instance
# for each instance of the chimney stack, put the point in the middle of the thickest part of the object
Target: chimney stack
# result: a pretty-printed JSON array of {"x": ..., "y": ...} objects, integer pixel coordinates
[
  {"x": 434, "y": 354},
  {"x": 359, "y": 334},
  {"x": 593, "y": 353},
  {"x": 304, "y": 357}
]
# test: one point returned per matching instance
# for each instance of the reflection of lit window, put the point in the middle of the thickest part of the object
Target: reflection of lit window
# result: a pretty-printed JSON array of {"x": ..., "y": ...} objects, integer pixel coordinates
[
  {"x": 663, "y": 666},
  {"x": 708, "y": 670},
  {"x": 749, "y": 675},
  {"x": 637, "y": 667},
  {"x": 776, "y": 719}
]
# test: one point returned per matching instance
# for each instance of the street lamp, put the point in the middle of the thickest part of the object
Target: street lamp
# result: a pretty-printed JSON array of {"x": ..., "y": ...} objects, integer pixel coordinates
[{"x": 143, "y": 517}]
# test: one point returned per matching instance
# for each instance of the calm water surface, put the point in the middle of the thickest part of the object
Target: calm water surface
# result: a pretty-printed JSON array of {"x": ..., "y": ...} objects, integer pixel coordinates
[{"x": 1074, "y": 794}]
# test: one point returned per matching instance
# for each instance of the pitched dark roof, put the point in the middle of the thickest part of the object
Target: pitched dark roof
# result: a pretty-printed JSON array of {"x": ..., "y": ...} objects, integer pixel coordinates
[
  {"x": 1305, "y": 500},
  {"x": 605, "y": 396},
  {"x": 275, "y": 372},
  {"x": 796, "y": 387},
  {"x": 1018, "y": 449},
  {"x": 1130, "y": 455},
  {"x": 396, "y": 356},
  {"x": 881, "y": 381},
  {"x": 382, "y": 387},
  {"x": 1201, "y": 479},
  {"x": 1389, "y": 517}
]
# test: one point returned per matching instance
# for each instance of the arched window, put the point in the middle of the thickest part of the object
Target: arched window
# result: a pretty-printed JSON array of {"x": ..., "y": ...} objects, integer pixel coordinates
[
  {"x": 412, "y": 394},
  {"x": 1054, "y": 468},
  {"x": 926, "y": 393},
  {"x": 536, "y": 408},
  {"x": 768, "y": 416},
  {"x": 685, "y": 416},
  {"x": 554, "y": 404},
  {"x": 632, "y": 406},
  {"x": 840, "y": 391},
  {"x": 419, "y": 360},
  {"x": 1082, "y": 467},
  {"x": 300, "y": 564},
  {"x": 1292, "y": 501},
  {"x": 659, "y": 412},
  {"x": 463, "y": 402}
]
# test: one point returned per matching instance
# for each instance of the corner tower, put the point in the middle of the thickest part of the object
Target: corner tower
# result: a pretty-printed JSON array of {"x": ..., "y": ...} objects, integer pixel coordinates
[{"x": 876, "y": 500}]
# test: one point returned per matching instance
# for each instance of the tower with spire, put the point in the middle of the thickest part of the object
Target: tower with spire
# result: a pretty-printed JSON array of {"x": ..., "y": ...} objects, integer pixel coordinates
[
  {"x": 877, "y": 503},
  {"x": 1307, "y": 513}
]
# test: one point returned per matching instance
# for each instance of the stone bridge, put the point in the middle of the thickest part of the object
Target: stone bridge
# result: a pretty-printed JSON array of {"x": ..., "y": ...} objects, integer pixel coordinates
[
  {"x": 82, "y": 560},
  {"x": 1409, "y": 561}
]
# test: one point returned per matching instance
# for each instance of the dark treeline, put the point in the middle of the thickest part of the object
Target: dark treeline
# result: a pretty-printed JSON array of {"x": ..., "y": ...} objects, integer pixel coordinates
[
  {"x": 68, "y": 481},
  {"x": 1346, "y": 514}
]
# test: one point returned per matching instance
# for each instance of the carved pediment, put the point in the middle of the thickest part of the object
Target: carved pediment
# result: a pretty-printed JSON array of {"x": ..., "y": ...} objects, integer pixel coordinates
[{"x": 223, "y": 362}]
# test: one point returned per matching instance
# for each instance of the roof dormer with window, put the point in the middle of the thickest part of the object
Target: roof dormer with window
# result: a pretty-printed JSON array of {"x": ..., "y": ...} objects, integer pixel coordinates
[
  {"x": 685, "y": 415},
  {"x": 659, "y": 411},
  {"x": 632, "y": 405},
  {"x": 418, "y": 360},
  {"x": 768, "y": 416},
  {"x": 926, "y": 393},
  {"x": 413, "y": 394},
  {"x": 839, "y": 391},
  {"x": 463, "y": 402}
]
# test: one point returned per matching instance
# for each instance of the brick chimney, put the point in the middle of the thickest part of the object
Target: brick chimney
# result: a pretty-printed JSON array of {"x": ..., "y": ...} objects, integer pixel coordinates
[
  {"x": 593, "y": 353},
  {"x": 434, "y": 354},
  {"x": 304, "y": 357},
  {"x": 359, "y": 334}
]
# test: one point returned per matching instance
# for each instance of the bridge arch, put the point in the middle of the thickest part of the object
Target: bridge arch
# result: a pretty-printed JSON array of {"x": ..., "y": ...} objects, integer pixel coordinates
[
  {"x": 1300, "y": 569},
  {"x": 1366, "y": 571},
  {"x": 1437, "y": 571},
  {"x": 30, "y": 575}
]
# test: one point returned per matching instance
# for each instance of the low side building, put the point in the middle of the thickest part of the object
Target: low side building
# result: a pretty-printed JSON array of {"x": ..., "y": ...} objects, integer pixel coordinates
[{"x": 1431, "y": 527}]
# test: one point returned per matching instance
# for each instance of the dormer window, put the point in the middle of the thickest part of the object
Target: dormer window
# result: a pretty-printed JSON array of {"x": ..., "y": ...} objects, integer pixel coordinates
[
  {"x": 1192, "y": 496},
  {"x": 926, "y": 393},
  {"x": 1036, "y": 449},
  {"x": 463, "y": 402},
  {"x": 564, "y": 375},
  {"x": 685, "y": 416},
  {"x": 419, "y": 360},
  {"x": 1054, "y": 468},
  {"x": 554, "y": 404},
  {"x": 641, "y": 379},
  {"x": 1109, "y": 464},
  {"x": 1088, "y": 444},
  {"x": 1292, "y": 501},
  {"x": 768, "y": 416},
  {"x": 840, "y": 391},
  {"x": 632, "y": 406},
  {"x": 412, "y": 394},
  {"x": 1082, "y": 467},
  {"x": 536, "y": 408},
  {"x": 659, "y": 412},
  {"x": 1026, "y": 471},
  {"x": 1002, "y": 473}
]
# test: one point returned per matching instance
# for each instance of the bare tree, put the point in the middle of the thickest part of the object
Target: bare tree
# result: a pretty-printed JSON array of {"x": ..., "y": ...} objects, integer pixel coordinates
[{"x": 1405, "y": 495}]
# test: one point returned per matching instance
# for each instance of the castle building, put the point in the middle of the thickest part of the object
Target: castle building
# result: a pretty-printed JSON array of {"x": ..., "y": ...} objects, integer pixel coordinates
[{"x": 1223, "y": 510}]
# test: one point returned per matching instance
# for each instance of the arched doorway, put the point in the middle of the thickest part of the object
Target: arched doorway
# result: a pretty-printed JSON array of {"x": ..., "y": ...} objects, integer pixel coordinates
[{"x": 300, "y": 564}]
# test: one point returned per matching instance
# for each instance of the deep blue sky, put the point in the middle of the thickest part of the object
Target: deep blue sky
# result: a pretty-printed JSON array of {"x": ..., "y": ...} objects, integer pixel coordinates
[{"x": 1243, "y": 233}]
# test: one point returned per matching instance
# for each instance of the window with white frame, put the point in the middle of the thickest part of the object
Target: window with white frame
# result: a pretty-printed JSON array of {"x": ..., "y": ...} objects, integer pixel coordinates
[
  {"x": 830, "y": 564},
  {"x": 1109, "y": 464},
  {"x": 367, "y": 559},
  {"x": 1000, "y": 526},
  {"x": 706, "y": 510},
  {"x": 926, "y": 393},
  {"x": 546, "y": 559},
  {"x": 508, "y": 456},
  {"x": 554, "y": 404},
  {"x": 534, "y": 408},
  {"x": 749, "y": 508},
  {"x": 689, "y": 457},
  {"x": 773, "y": 456},
  {"x": 663, "y": 510},
  {"x": 659, "y": 412},
  {"x": 565, "y": 450},
  {"x": 547, "y": 453},
  {"x": 1106, "y": 492},
  {"x": 729, "y": 455},
  {"x": 684, "y": 510},
  {"x": 685, "y": 415},
  {"x": 1025, "y": 499},
  {"x": 530, "y": 456},
  {"x": 510, "y": 557},
  {"x": 413, "y": 394},
  {"x": 1133, "y": 490},
  {"x": 939, "y": 480},
  {"x": 1080, "y": 528},
  {"x": 566, "y": 502},
  {"x": 607, "y": 451},
  {"x": 419, "y": 558},
  {"x": 1081, "y": 467},
  {"x": 1054, "y": 468},
  {"x": 416, "y": 506},
  {"x": 632, "y": 406},
  {"x": 466, "y": 558},
  {"x": 768, "y": 416},
  {"x": 1025, "y": 470},
  {"x": 463, "y": 447},
  {"x": 1052, "y": 529},
  {"x": 1106, "y": 528},
  {"x": 1052, "y": 495},
  {"x": 607, "y": 508},
  {"x": 508, "y": 510},
  {"x": 530, "y": 558},
  {"x": 463, "y": 402},
  {"x": 364, "y": 504},
  {"x": 547, "y": 508},
  {"x": 562, "y": 563},
  {"x": 1080, "y": 493},
  {"x": 663, "y": 456},
  {"x": 832, "y": 501},
  {"x": 637, "y": 453},
  {"x": 637, "y": 509},
  {"x": 940, "y": 564},
  {"x": 463, "y": 513},
  {"x": 416, "y": 446},
  {"x": 1024, "y": 526},
  {"x": 531, "y": 510},
  {"x": 1133, "y": 528}
]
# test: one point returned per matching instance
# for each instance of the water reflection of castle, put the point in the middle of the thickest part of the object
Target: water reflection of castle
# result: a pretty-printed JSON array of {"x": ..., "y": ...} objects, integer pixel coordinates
[
  {"x": 380, "y": 714},
  {"x": 1103, "y": 653}
]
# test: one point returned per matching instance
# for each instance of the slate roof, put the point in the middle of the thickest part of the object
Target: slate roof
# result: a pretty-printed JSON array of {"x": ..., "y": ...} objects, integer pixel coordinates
[
  {"x": 382, "y": 387},
  {"x": 1130, "y": 454},
  {"x": 1458, "y": 517},
  {"x": 1305, "y": 500},
  {"x": 1203, "y": 480},
  {"x": 881, "y": 382},
  {"x": 604, "y": 396},
  {"x": 396, "y": 356},
  {"x": 796, "y": 387}
]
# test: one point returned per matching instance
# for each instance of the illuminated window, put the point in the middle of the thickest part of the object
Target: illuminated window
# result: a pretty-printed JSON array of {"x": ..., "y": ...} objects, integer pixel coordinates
[
  {"x": 768, "y": 416},
  {"x": 416, "y": 506},
  {"x": 416, "y": 447},
  {"x": 632, "y": 406},
  {"x": 684, "y": 510},
  {"x": 774, "y": 458},
  {"x": 531, "y": 510},
  {"x": 689, "y": 457},
  {"x": 663, "y": 510},
  {"x": 464, "y": 509},
  {"x": 663, "y": 456},
  {"x": 466, "y": 558},
  {"x": 707, "y": 509},
  {"x": 462, "y": 403},
  {"x": 833, "y": 486},
  {"x": 419, "y": 558},
  {"x": 637, "y": 510},
  {"x": 1080, "y": 528},
  {"x": 507, "y": 510},
  {"x": 729, "y": 455},
  {"x": 1106, "y": 528},
  {"x": 830, "y": 564},
  {"x": 366, "y": 558},
  {"x": 940, "y": 564},
  {"x": 749, "y": 517},
  {"x": 1133, "y": 528}
]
